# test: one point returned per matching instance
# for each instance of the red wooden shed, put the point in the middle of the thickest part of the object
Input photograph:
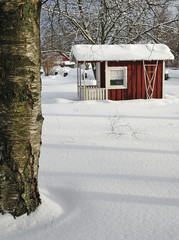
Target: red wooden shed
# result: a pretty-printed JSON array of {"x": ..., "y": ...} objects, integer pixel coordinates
[{"x": 123, "y": 72}]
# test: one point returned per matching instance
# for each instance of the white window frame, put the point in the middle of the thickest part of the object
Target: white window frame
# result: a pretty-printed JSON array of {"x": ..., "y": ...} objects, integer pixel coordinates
[{"x": 124, "y": 86}]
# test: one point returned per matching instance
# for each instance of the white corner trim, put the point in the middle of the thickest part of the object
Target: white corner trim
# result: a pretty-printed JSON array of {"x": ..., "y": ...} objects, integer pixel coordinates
[{"x": 106, "y": 75}]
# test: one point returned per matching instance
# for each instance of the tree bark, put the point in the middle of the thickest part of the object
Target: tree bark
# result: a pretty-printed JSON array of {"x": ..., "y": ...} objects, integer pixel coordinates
[{"x": 20, "y": 106}]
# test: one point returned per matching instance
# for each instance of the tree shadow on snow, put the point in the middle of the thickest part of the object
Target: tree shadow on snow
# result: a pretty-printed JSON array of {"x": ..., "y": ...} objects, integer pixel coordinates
[{"x": 104, "y": 148}]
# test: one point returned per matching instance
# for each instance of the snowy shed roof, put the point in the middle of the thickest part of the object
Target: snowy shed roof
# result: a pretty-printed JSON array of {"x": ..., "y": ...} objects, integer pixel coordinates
[{"x": 123, "y": 52}]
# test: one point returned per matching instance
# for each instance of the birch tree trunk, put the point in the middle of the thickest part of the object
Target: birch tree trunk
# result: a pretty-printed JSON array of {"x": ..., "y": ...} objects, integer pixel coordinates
[{"x": 20, "y": 106}]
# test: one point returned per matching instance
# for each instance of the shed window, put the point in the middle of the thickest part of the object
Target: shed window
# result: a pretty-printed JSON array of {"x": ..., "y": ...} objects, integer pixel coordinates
[{"x": 117, "y": 77}]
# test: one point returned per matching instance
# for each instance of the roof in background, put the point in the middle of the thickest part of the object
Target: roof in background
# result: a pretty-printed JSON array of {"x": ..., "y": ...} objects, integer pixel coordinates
[{"x": 123, "y": 52}]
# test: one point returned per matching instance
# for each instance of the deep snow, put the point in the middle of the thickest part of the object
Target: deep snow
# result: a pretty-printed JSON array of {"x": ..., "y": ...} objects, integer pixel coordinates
[{"x": 108, "y": 170}]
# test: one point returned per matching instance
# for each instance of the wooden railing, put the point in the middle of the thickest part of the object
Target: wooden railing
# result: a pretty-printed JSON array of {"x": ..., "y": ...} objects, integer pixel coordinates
[{"x": 92, "y": 93}]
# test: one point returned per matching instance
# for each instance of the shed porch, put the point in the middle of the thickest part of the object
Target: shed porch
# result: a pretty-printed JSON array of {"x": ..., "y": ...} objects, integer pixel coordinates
[{"x": 89, "y": 89}]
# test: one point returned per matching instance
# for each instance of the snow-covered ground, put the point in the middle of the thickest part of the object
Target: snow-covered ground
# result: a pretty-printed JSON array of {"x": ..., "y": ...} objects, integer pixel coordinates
[{"x": 108, "y": 170}]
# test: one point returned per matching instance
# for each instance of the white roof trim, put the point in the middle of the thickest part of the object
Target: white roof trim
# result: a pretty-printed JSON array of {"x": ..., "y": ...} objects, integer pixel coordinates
[{"x": 123, "y": 52}]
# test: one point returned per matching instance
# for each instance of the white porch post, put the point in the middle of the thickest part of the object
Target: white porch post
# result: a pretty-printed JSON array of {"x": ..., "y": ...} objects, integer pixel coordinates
[
  {"x": 106, "y": 78},
  {"x": 98, "y": 74},
  {"x": 84, "y": 81},
  {"x": 80, "y": 79}
]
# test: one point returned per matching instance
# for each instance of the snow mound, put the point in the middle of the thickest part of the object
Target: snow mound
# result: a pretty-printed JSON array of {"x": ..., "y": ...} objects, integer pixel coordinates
[{"x": 22, "y": 227}]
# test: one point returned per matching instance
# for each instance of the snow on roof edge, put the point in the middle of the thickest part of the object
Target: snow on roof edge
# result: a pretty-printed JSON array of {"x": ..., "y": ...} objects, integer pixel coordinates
[{"x": 123, "y": 52}]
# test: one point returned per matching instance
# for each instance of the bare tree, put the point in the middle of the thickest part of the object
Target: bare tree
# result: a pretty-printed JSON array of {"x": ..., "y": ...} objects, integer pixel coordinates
[
  {"x": 20, "y": 106},
  {"x": 110, "y": 21}
]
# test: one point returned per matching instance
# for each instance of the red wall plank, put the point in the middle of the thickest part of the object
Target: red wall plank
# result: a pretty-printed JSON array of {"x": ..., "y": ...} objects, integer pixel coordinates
[
  {"x": 119, "y": 95},
  {"x": 139, "y": 80},
  {"x": 102, "y": 74},
  {"x": 134, "y": 80},
  {"x": 160, "y": 80}
]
